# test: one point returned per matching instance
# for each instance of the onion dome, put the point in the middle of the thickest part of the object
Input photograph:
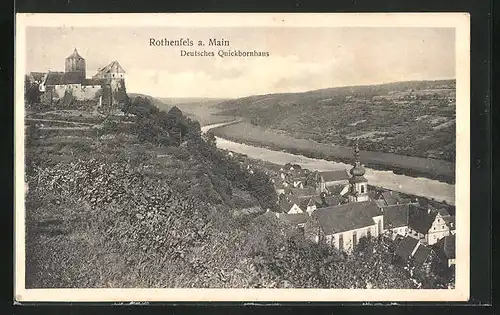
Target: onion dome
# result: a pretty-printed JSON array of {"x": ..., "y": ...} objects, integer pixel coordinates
[{"x": 358, "y": 169}]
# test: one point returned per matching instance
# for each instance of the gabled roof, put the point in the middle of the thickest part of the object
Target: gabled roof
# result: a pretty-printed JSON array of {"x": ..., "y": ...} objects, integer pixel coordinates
[
  {"x": 420, "y": 219},
  {"x": 445, "y": 247},
  {"x": 405, "y": 247},
  {"x": 443, "y": 212},
  {"x": 421, "y": 255},
  {"x": 341, "y": 218},
  {"x": 336, "y": 189},
  {"x": 450, "y": 222},
  {"x": 295, "y": 218},
  {"x": 113, "y": 67},
  {"x": 287, "y": 203},
  {"x": 391, "y": 198},
  {"x": 309, "y": 202},
  {"x": 332, "y": 200},
  {"x": 303, "y": 192},
  {"x": 332, "y": 176},
  {"x": 396, "y": 216}
]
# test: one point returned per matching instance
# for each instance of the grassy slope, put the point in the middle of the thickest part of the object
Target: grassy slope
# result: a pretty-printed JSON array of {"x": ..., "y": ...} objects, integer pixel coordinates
[{"x": 389, "y": 117}]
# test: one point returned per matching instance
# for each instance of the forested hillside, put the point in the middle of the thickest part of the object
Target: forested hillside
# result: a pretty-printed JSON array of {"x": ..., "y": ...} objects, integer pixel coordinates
[
  {"x": 147, "y": 201},
  {"x": 414, "y": 118}
]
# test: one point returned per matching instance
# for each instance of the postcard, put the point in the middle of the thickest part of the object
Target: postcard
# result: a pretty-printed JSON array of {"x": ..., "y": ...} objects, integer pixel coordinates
[{"x": 272, "y": 157}]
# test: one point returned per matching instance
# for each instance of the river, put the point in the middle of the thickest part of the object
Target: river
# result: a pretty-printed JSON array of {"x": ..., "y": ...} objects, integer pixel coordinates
[{"x": 418, "y": 186}]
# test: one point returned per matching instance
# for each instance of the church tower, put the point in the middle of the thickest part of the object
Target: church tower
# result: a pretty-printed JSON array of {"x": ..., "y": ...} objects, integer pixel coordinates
[
  {"x": 75, "y": 63},
  {"x": 358, "y": 185}
]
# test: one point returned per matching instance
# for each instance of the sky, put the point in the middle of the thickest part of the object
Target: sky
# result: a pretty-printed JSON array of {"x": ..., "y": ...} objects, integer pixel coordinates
[{"x": 300, "y": 59}]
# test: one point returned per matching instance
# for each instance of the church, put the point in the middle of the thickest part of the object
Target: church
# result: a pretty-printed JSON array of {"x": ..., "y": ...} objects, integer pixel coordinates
[
  {"x": 105, "y": 89},
  {"x": 343, "y": 225}
]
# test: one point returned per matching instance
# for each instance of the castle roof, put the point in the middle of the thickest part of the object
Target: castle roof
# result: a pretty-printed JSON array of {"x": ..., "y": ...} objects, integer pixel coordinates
[
  {"x": 62, "y": 78},
  {"x": 74, "y": 55},
  {"x": 346, "y": 217},
  {"x": 113, "y": 67},
  {"x": 93, "y": 81}
]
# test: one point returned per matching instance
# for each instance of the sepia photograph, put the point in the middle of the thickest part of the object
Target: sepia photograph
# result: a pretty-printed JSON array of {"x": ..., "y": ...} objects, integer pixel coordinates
[{"x": 245, "y": 157}]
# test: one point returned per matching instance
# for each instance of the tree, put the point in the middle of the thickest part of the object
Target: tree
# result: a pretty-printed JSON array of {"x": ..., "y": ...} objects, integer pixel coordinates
[{"x": 31, "y": 91}]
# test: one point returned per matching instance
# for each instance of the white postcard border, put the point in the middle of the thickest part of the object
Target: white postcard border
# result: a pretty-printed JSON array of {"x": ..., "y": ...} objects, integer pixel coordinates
[{"x": 459, "y": 21}]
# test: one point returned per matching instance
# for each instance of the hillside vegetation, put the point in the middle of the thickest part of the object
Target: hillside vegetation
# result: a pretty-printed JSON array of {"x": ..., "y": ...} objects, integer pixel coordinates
[
  {"x": 414, "y": 118},
  {"x": 147, "y": 201}
]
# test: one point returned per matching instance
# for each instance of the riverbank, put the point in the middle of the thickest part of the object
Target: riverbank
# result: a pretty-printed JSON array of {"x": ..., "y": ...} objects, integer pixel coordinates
[{"x": 246, "y": 133}]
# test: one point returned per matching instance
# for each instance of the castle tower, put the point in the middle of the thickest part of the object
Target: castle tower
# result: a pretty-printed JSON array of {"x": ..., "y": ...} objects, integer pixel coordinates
[
  {"x": 358, "y": 184},
  {"x": 75, "y": 63},
  {"x": 113, "y": 81}
]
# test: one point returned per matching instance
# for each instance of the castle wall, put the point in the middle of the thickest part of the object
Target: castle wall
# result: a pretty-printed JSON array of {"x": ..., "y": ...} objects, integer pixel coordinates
[
  {"x": 77, "y": 91},
  {"x": 87, "y": 92}
]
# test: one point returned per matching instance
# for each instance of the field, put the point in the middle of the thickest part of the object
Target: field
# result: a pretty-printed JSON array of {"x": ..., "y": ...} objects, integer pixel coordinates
[
  {"x": 250, "y": 134},
  {"x": 405, "y": 118}
]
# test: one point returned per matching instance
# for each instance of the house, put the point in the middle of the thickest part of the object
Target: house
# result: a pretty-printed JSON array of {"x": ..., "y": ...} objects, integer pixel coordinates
[
  {"x": 405, "y": 248},
  {"x": 342, "y": 226},
  {"x": 289, "y": 204},
  {"x": 429, "y": 225},
  {"x": 445, "y": 249},
  {"x": 337, "y": 190},
  {"x": 422, "y": 257},
  {"x": 281, "y": 187},
  {"x": 309, "y": 204},
  {"x": 419, "y": 222},
  {"x": 299, "y": 181},
  {"x": 329, "y": 178},
  {"x": 396, "y": 219},
  {"x": 442, "y": 225},
  {"x": 412, "y": 253}
]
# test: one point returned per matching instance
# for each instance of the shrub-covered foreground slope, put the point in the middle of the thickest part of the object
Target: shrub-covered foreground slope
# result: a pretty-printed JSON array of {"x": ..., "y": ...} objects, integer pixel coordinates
[{"x": 148, "y": 202}]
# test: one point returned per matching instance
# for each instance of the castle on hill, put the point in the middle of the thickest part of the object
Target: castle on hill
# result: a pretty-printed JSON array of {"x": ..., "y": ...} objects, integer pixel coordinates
[{"x": 106, "y": 88}]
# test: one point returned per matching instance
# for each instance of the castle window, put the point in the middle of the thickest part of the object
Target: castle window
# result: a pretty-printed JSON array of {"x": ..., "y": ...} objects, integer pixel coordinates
[{"x": 362, "y": 189}]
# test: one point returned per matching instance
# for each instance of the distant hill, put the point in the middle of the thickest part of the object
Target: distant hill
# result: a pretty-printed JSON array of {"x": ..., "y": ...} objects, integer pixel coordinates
[
  {"x": 336, "y": 93},
  {"x": 415, "y": 118}
]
